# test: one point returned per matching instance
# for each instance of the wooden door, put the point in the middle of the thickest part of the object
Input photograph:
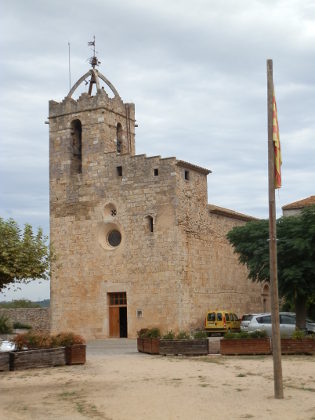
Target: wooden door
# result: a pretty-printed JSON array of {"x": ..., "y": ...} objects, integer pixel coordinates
[{"x": 114, "y": 326}]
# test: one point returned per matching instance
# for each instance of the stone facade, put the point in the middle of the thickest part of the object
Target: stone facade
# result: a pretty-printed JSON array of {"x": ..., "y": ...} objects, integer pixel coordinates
[{"x": 137, "y": 244}]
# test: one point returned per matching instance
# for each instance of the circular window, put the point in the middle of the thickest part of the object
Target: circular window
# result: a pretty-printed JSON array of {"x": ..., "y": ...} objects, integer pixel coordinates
[{"x": 114, "y": 237}]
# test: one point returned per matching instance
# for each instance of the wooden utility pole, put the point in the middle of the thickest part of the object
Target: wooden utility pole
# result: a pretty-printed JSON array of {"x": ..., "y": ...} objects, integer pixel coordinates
[{"x": 276, "y": 342}]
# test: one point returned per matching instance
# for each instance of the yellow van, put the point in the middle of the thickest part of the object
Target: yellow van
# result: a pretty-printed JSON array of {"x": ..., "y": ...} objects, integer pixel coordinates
[{"x": 222, "y": 322}]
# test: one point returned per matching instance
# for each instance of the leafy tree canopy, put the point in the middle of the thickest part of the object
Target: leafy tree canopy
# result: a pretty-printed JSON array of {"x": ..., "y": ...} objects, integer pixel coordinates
[
  {"x": 20, "y": 303},
  {"x": 24, "y": 256},
  {"x": 296, "y": 255}
]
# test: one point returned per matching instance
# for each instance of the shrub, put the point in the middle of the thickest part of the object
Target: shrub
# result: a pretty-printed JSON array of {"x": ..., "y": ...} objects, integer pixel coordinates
[
  {"x": 5, "y": 326},
  {"x": 66, "y": 339},
  {"x": 169, "y": 335},
  {"x": 33, "y": 340},
  {"x": 149, "y": 333},
  {"x": 154, "y": 333},
  {"x": 258, "y": 334},
  {"x": 40, "y": 340},
  {"x": 298, "y": 334},
  {"x": 246, "y": 335},
  {"x": 142, "y": 333},
  {"x": 200, "y": 335},
  {"x": 183, "y": 335},
  {"x": 20, "y": 325},
  {"x": 20, "y": 303}
]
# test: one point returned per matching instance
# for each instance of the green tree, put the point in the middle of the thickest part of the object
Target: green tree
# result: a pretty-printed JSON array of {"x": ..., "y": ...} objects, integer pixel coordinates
[
  {"x": 296, "y": 256},
  {"x": 23, "y": 255}
]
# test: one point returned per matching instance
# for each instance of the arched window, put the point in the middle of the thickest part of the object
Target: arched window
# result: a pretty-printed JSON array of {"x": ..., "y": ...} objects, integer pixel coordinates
[
  {"x": 266, "y": 298},
  {"x": 76, "y": 135},
  {"x": 119, "y": 139},
  {"x": 150, "y": 224}
]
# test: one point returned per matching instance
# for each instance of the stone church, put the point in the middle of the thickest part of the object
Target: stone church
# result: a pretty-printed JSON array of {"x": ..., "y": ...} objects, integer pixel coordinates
[{"x": 137, "y": 244}]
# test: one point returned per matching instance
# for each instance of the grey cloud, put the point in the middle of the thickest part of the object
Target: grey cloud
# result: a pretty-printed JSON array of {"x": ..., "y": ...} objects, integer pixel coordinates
[{"x": 197, "y": 74}]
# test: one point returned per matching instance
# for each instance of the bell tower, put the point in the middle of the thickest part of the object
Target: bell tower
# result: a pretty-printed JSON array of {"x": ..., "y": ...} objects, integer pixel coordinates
[
  {"x": 83, "y": 130},
  {"x": 88, "y": 134}
]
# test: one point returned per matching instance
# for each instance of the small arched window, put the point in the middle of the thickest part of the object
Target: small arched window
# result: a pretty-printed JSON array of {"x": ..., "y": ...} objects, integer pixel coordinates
[
  {"x": 76, "y": 145},
  {"x": 119, "y": 137},
  {"x": 150, "y": 224}
]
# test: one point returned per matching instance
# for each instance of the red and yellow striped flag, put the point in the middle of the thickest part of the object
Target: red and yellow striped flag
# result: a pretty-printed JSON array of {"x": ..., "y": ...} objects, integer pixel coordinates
[{"x": 276, "y": 142}]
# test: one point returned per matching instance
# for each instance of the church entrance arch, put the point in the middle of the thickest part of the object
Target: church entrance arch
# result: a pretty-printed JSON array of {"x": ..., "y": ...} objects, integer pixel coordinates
[{"x": 118, "y": 327}]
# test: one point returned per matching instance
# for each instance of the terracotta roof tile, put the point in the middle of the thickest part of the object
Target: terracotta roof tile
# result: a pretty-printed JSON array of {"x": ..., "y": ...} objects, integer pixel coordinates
[{"x": 300, "y": 203}]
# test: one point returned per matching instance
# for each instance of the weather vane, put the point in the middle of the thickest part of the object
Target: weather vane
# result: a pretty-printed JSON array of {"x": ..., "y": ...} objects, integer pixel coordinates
[{"x": 93, "y": 60}]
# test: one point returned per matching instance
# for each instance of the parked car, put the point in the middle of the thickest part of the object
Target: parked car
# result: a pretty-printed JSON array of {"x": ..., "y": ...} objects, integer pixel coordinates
[
  {"x": 287, "y": 323},
  {"x": 245, "y": 320},
  {"x": 221, "y": 322},
  {"x": 309, "y": 324}
]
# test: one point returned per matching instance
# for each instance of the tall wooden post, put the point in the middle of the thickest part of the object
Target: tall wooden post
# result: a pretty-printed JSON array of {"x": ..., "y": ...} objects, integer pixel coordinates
[{"x": 276, "y": 342}]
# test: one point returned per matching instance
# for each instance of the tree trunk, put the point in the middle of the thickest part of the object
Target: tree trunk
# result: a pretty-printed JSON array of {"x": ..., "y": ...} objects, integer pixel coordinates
[{"x": 300, "y": 309}]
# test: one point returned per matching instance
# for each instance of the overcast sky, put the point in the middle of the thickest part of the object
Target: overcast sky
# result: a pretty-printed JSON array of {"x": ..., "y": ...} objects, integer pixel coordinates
[{"x": 196, "y": 71}]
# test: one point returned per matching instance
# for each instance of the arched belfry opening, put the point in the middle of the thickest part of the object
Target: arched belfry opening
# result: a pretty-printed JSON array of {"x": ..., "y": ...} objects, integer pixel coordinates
[
  {"x": 119, "y": 138},
  {"x": 76, "y": 147}
]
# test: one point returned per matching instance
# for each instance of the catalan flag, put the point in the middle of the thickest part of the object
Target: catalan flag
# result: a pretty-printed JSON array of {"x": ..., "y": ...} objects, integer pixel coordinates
[{"x": 276, "y": 142}]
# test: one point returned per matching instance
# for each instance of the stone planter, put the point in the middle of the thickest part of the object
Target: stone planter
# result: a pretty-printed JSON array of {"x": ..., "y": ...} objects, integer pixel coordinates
[
  {"x": 76, "y": 354},
  {"x": 184, "y": 347},
  {"x": 241, "y": 346},
  {"x": 148, "y": 345},
  {"x": 4, "y": 361},
  {"x": 297, "y": 346},
  {"x": 27, "y": 359}
]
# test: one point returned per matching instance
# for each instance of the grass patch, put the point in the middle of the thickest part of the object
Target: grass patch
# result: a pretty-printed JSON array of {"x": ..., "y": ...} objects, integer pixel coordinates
[{"x": 81, "y": 406}]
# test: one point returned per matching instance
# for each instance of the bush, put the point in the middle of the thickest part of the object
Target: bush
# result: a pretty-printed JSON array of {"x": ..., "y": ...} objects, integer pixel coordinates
[
  {"x": 20, "y": 303},
  {"x": 142, "y": 333},
  {"x": 246, "y": 335},
  {"x": 20, "y": 325},
  {"x": 5, "y": 326},
  {"x": 149, "y": 333},
  {"x": 183, "y": 335},
  {"x": 40, "y": 340},
  {"x": 33, "y": 340},
  {"x": 169, "y": 335},
  {"x": 66, "y": 339},
  {"x": 298, "y": 334},
  {"x": 154, "y": 333},
  {"x": 200, "y": 335}
]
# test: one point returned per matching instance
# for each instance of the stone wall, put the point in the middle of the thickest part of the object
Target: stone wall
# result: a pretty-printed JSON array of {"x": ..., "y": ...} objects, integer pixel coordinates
[{"x": 37, "y": 318}]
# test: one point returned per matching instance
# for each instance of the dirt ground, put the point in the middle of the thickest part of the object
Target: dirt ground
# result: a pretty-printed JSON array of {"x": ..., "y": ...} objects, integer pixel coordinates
[{"x": 138, "y": 386}]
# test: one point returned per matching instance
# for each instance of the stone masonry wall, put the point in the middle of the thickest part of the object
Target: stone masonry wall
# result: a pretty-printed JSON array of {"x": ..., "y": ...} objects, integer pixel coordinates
[
  {"x": 214, "y": 278},
  {"x": 37, "y": 318},
  {"x": 144, "y": 265}
]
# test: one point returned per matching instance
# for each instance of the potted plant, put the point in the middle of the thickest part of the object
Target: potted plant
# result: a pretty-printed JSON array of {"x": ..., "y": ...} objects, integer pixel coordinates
[
  {"x": 183, "y": 343},
  {"x": 299, "y": 343},
  {"x": 256, "y": 342},
  {"x": 35, "y": 349},
  {"x": 39, "y": 349},
  {"x": 148, "y": 340},
  {"x": 75, "y": 347}
]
